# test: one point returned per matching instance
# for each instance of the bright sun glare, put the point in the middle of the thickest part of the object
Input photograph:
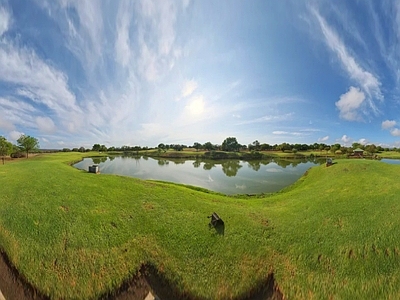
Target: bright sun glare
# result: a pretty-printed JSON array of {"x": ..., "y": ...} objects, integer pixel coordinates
[{"x": 196, "y": 107}]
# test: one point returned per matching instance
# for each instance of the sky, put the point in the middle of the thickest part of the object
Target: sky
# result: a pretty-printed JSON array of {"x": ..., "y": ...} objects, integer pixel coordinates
[{"x": 74, "y": 73}]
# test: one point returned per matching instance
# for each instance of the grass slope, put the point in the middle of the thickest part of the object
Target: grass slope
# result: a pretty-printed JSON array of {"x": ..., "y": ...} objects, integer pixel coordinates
[{"x": 77, "y": 235}]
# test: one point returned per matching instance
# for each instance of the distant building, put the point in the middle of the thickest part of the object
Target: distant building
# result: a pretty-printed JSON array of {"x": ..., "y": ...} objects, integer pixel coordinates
[{"x": 358, "y": 152}]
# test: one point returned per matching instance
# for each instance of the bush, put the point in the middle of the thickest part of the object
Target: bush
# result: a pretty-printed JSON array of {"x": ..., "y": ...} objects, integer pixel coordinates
[{"x": 17, "y": 155}]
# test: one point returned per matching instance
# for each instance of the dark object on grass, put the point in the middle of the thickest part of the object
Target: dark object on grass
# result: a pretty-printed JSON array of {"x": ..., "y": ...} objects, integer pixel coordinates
[
  {"x": 329, "y": 162},
  {"x": 217, "y": 223},
  {"x": 94, "y": 169},
  {"x": 215, "y": 220}
]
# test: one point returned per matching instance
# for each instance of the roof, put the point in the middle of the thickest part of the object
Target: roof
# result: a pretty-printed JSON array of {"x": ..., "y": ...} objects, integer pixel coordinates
[{"x": 358, "y": 150}]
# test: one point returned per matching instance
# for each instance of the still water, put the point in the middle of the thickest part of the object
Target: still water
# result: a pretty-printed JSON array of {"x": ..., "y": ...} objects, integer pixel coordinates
[
  {"x": 391, "y": 161},
  {"x": 224, "y": 176}
]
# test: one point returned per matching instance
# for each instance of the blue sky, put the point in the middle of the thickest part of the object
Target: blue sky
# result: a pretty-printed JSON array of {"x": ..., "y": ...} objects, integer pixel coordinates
[{"x": 74, "y": 73}]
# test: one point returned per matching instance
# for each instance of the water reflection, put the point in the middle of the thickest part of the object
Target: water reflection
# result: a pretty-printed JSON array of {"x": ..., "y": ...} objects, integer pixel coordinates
[
  {"x": 226, "y": 176},
  {"x": 98, "y": 160},
  {"x": 231, "y": 167}
]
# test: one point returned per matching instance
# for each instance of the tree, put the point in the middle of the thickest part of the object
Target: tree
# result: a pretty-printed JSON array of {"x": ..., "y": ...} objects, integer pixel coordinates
[
  {"x": 27, "y": 143},
  {"x": 230, "y": 144},
  {"x": 256, "y": 145},
  {"x": 96, "y": 147},
  {"x": 371, "y": 149},
  {"x": 208, "y": 146},
  {"x": 197, "y": 146},
  {"x": 5, "y": 147}
]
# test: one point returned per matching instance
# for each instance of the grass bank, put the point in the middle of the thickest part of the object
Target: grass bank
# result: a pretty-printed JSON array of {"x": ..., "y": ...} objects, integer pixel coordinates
[{"x": 335, "y": 233}]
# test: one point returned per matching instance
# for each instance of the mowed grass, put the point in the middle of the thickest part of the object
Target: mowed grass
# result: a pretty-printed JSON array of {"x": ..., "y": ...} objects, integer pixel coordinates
[{"x": 335, "y": 233}]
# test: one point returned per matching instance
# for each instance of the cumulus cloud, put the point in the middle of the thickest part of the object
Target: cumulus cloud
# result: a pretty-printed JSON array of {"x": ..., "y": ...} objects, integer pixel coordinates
[
  {"x": 350, "y": 103},
  {"x": 363, "y": 141},
  {"x": 395, "y": 132},
  {"x": 345, "y": 139},
  {"x": 388, "y": 124}
]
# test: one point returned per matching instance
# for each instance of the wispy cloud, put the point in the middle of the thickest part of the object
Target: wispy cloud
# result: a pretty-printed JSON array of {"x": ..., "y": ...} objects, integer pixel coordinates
[
  {"x": 281, "y": 132},
  {"x": 368, "y": 82},
  {"x": 269, "y": 118},
  {"x": 189, "y": 87},
  {"x": 123, "y": 44},
  {"x": 323, "y": 139},
  {"x": 4, "y": 20},
  {"x": 37, "y": 81}
]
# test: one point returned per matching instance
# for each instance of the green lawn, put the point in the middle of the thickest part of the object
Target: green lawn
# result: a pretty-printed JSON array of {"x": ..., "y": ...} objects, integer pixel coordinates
[{"x": 335, "y": 233}]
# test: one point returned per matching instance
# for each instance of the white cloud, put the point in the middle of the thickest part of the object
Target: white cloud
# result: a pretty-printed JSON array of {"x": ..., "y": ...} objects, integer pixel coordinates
[
  {"x": 369, "y": 83},
  {"x": 45, "y": 124},
  {"x": 4, "y": 20},
  {"x": 188, "y": 89},
  {"x": 6, "y": 124},
  {"x": 280, "y": 132},
  {"x": 270, "y": 118},
  {"x": 39, "y": 82},
  {"x": 323, "y": 139},
  {"x": 363, "y": 141},
  {"x": 388, "y": 124},
  {"x": 85, "y": 37},
  {"x": 350, "y": 103},
  {"x": 14, "y": 135},
  {"x": 345, "y": 139},
  {"x": 196, "y": 105},
  {"x": 395, "y": 132},
  {"x": 122, "y": 43}
]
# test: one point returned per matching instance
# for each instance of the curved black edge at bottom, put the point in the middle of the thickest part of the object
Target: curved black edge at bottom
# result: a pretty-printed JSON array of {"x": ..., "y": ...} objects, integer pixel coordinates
[{"x": 147, "y": 280}]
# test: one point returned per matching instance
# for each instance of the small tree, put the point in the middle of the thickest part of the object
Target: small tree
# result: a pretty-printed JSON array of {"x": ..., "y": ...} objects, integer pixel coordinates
[
  {"x": 230, "y": 144},
  {"x": 5, "y": 147},
  {"x": 197, "y": 146},
  {"x": 27, "y": 143},
  {"x": 256, "y": 145}
]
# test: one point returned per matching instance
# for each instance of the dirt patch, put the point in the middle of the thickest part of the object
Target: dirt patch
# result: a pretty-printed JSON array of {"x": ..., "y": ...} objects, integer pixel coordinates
[
  {"x": 148, "y": 281},
  {"x": 13, "y": 285}
]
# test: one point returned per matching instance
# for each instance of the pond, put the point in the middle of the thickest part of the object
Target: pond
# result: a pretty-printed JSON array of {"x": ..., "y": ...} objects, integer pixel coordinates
[
  {"x": 224, "y": 176},
  {"x": 391, "y": 161}
]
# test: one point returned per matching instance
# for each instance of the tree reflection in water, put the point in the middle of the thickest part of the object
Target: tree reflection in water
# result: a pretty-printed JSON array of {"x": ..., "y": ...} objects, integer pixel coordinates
[
  {"x": 197, "y": 163},
  {"x": 231, "y": 167},
  {"x": 208, "y": 165},
  {"x": 98, "y": 160}
]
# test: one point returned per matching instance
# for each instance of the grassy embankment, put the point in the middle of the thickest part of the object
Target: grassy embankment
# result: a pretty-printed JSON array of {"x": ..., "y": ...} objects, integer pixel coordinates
[{"x": 336, "y": 232}]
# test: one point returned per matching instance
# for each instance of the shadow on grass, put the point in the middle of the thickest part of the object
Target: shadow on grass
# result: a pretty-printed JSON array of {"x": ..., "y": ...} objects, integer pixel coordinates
[{"x": 148, "y": 280}]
